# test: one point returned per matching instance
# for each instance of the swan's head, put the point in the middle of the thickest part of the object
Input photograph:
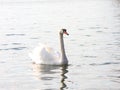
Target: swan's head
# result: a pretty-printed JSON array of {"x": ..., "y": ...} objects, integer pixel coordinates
[{"x": 63, "y": 31}]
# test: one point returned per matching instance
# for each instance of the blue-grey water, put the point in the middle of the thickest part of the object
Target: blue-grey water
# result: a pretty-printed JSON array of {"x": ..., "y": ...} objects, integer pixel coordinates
[{"x": 93, "y": 46}]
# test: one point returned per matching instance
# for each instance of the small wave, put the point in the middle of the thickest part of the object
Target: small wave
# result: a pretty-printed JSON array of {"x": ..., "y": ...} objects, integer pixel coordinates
[
  {"x": 15, "y": 34},
  {"x": 106, "y": 63},
  {"x": 115, "y": 32},
  {"x": 16, "y": 48},
  {"x": 99, "y": 31},
  {"x": 116, "y": 81},
  {"x": 16, "y": 43},
  {"x": 34, "y": 38},
  {"x": 4, "y": 44},
  {"x": 94, "y": 27},
  {"x": 2, "y": 62},
  {"x": 11, "y": 43},
  {"x": 90, "y": 56},
  {"x": 81, "y": 29},
  {"x": 116, "y": 78},
  {"x": 88, "y": 35}
]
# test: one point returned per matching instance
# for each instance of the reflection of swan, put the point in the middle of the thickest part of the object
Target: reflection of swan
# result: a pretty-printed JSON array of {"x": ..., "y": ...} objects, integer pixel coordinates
[
  {"x": 64, "y": 71},
  {"x": 44, "y": 69},
  {"x": 49, "y": 73},
  {"x": 44, "y": 54}
]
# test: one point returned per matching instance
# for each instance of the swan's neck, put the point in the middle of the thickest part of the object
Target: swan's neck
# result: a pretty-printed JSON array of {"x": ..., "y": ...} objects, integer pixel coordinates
[{"x": 63, "y": 55}]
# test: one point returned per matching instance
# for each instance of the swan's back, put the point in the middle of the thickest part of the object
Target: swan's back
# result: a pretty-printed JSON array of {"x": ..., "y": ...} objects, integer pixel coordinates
[{"x": 44, "y": 54}]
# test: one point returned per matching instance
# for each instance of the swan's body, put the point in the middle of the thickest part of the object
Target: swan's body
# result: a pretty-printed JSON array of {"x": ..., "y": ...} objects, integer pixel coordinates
[{"x": 44, "y": 54}]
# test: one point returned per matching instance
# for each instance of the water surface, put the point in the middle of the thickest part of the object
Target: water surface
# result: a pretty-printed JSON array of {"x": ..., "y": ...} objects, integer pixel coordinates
[{"x": 93, "y": 46}]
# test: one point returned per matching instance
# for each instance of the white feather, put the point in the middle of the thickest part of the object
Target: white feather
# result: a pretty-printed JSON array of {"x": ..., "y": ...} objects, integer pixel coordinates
[{"x": 44, "y": 54}]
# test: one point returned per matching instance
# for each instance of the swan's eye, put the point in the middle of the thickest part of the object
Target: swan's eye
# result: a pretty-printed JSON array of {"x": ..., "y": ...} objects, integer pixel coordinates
[{"x": 64, "y": 30}]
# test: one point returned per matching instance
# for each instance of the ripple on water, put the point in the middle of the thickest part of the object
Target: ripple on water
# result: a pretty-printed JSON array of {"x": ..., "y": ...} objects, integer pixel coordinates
[
  {"x": 47, "y": 31},
  {"x": 90, "y": 56},
  {"x": 99, "y": 31},
  {"x": 81, "y": 29},
  {"x": 88, "y": 35},
  {"x": 15, "y": 34},
  {"x": 16, "y": 43},
  {"x": 2, "y": 62},
  {"x": 16, "y": 48},
  {"x": 106, "y": 63},
  {"x": 34, "y": 38},
  {"x": 81, "y": 45},
  {"x": 97, "y": 27},
  {"x": 115, "y": 78},
  {"x": 115, "y": 32},
  {"x": 4, "y": 44}
]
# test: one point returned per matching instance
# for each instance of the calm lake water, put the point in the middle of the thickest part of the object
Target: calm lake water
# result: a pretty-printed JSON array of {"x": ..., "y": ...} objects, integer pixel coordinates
[{"x": 93, "y": 46}]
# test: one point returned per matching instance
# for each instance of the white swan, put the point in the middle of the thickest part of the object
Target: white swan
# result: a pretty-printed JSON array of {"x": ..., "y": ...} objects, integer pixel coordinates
[{"x": 44, "y": 54}]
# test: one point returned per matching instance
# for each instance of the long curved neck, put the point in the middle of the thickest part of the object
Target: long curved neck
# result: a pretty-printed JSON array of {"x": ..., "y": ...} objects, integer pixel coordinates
[
  {"x": 64, "y": 58},
  {"x": 62, "y": 45}
]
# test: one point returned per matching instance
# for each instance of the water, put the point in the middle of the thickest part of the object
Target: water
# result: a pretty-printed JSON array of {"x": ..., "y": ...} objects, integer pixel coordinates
[{"x": 93, "y": 46}]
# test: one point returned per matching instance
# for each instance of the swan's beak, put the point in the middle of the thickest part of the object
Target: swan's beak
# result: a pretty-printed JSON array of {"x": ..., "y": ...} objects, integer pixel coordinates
[{"x": 66, "y": 33}]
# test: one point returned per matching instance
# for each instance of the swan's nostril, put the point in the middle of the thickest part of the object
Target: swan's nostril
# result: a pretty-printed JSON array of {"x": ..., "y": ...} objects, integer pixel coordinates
[{"x": 66, "y": 33}]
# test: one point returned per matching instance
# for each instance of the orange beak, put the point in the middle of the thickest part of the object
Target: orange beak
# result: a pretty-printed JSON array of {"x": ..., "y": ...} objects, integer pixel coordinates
[{"x": 66, "y": 33}]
